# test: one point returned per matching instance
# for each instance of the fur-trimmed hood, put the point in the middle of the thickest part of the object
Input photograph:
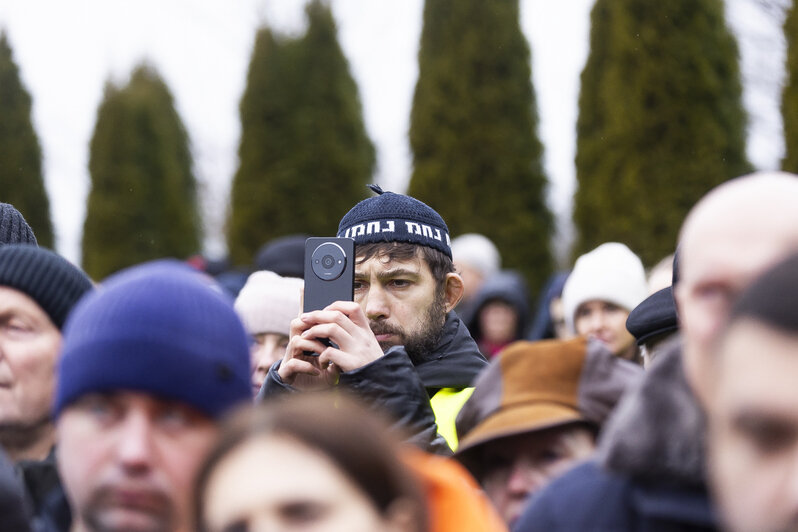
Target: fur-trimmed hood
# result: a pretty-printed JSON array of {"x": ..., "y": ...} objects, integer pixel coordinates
[{"x": 658, "y": 430}]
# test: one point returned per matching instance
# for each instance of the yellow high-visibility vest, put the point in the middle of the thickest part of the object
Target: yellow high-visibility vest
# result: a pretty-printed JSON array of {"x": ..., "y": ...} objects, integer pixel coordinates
[{"x": 446, "y": 404}]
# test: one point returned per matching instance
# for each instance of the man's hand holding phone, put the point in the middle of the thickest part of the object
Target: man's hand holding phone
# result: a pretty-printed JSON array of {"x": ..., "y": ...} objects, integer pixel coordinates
[
  {"x": 344, "y": 324},
  {"x": 333, "y": 333}
]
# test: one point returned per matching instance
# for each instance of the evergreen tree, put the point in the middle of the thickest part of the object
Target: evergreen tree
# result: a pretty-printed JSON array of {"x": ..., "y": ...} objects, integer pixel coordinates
[
  {"x": 142, "y": 204},
  {"x": 305, "y": 156},
  {"x": 661, "y": 121},
  {"x": 21, "y": 180},
  {"x": 789, "y": 97},
  {"x": 473, "y": 131}
]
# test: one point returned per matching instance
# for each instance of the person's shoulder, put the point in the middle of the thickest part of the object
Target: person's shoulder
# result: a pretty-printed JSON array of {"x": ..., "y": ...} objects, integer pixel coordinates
[{"x": 584, "y": 498}]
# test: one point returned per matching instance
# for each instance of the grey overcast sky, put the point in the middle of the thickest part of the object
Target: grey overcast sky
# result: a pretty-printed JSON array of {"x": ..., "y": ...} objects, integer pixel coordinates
[{"x": 66, "y": 52}]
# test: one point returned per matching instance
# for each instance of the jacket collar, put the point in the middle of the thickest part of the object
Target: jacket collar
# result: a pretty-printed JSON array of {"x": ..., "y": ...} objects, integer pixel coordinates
[
  {"x": 456, "y": 360},
  {"x": 658, "y": 430}
]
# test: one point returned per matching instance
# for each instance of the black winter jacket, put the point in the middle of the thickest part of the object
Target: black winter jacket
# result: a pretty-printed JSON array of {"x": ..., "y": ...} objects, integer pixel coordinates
[
  {"x": 394, "y": 385},
  {"x": 649, "y": 471}
]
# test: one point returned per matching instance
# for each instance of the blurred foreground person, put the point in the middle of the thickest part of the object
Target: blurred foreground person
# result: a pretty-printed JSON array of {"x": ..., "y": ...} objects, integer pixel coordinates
[
  {"x": 150, "y": 362},
  {"x": 308, "y": 463},
  {"x": 327, "y": 464},
  {"x": 38, "y": 289},
  {"x": 535, "y": 413},
  {"x": 266, "y": 305},
  {"x": 650, "y": 466},
  {"x": 603, "y": 288},
  {"x": 753, "y": 421}
]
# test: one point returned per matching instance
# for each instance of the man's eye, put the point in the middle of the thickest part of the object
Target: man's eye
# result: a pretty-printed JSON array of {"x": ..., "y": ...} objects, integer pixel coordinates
[
  {"x": 766, "y": 436},
  {"x": 714, "y": 294},
  {"x": 100, "y": 409},
  {"x": 302, "y": 512},
  {"x": 549, "y": 456},
  {"x": 236, "y": 526},
  {"x": 16, "y": 326},
  {"x": 358, "y": 285},
  {"x": 174, "y": 416},
  {"x": 400, "y": 283}
]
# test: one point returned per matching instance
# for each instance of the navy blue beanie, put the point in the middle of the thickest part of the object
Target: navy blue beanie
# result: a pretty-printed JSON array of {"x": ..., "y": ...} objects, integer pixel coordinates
[
  {"x": 159, "y": 328},
  {"x": 46, "y": 277},
  {"x": 390, "y": 217}
]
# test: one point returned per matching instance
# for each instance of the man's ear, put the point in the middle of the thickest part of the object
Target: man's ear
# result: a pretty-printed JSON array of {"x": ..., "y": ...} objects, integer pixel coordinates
[{"x": 453, "y": 291}]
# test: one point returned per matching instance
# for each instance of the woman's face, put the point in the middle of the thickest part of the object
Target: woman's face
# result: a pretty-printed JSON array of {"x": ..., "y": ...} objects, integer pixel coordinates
[
  {"x": 277, "y": 483},
  {"x": 605, "y": 322}
]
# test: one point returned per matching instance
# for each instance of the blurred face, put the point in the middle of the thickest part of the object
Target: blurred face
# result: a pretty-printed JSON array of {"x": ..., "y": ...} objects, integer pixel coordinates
[
  {"x": 29, "y": 344},
  {"x": 714, "y": 272},
  {"x": 402, "y": 302},
  {"x": 498, "y": 322},
  {"x": 605, "y": 322},
  {"x": 518, "y": 466},
  {"x": 303, "y": 491},
  {"x": 128, "y": 461},
  {"x": 472, "y": 279},
  {"x": 267, "y": 348},
  {"x": 753, "y": 436}
]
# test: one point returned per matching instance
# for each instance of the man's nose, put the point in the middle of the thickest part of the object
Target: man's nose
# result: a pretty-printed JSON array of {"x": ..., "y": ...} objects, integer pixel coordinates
[
  {"x": 375, "y": 303},
  {"x": 135, "y": 446},
  {"x": 524, "y": 479},
  {"x": 596, "y": 321}
]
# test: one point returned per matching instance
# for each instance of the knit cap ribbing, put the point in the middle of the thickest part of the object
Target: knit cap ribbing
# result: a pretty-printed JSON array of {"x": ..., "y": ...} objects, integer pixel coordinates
[
  {"x": 49, "y": 279},
  {"x": 13, "y": 227},
  {"x": 391, "y": 217}
]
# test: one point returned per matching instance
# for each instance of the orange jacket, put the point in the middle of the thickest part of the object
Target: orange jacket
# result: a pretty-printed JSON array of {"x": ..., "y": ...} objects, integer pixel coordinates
[{"x": 455, "y": 501}]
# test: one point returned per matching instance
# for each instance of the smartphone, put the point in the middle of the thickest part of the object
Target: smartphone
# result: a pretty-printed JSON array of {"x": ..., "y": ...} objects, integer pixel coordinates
[{"x": 329, "y": 271}]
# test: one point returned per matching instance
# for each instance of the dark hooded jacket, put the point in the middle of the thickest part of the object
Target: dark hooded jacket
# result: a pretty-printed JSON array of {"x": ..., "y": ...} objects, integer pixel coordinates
[
  {"x": 508, "y": 287},
  {"x": 14, "y": 514},
  {"x": 649, "y": 470},
  {"x": 395, "y": 385}
]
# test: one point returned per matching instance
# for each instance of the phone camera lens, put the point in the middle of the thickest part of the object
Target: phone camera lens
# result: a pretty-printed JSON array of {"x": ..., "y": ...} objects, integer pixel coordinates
[{"x": 329, "y": 261}]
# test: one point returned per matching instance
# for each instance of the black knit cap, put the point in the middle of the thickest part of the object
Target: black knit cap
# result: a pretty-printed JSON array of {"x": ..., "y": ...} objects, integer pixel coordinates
[
  {"x": 390, "y": 217},
  {"x": 46, "y": 277},
  {"x": 13, "y": 227},
  {"x": 654, "y": 316}
]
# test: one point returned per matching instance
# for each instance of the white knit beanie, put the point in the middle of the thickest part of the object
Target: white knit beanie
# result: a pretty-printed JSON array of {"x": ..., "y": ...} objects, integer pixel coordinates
[
  {"x": 478, "y": 252},
  {"x": 268, "y": 302},
  {"x": 611, "y": 272}
]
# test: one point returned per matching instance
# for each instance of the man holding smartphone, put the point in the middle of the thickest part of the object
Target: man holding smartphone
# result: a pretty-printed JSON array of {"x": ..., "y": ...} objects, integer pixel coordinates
[{"x": 398, "y": 342}]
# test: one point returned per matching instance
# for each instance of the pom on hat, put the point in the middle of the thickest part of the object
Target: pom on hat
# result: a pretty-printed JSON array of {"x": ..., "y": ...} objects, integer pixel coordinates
[
  {"x": 612, "y": 273},
  {"x": 13, "y": 227},
  {"x": 390, "y": 217},
  {"x": 162, "y": 329},
  {"x": 268, "y": 303},
  {"x": 46, "y": 277}
]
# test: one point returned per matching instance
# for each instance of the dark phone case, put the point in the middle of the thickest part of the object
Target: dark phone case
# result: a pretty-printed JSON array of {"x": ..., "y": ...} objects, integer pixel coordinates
[{"x": 319, "y": 292}]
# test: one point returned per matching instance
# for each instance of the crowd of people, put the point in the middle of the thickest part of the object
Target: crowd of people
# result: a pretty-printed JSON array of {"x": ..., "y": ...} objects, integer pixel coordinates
[{"x": 175, "y": 397}]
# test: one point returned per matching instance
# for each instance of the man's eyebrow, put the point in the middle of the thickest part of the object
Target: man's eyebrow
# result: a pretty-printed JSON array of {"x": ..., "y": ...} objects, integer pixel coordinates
[{"x": 390, "y": 274}]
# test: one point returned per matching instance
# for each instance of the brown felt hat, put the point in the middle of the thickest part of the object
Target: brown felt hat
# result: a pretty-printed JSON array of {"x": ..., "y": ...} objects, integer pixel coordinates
[{"x": 533, "y": 386}]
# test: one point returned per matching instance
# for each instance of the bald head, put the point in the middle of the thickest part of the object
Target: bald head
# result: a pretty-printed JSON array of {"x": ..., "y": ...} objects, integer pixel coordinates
[{"x": 734, "y": 233}]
